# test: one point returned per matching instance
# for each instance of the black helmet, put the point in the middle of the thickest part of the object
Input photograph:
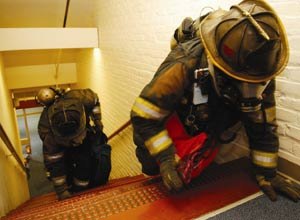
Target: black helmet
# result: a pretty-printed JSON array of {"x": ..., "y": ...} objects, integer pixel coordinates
[
  {"x": 67, "y": 119},
  {"x": 247, "y": 43}
]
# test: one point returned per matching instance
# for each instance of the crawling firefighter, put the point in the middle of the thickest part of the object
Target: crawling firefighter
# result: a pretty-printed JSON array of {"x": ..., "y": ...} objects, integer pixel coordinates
[
  {"x": 221, "y": 70},
  {"x": 75, "y": 149}
]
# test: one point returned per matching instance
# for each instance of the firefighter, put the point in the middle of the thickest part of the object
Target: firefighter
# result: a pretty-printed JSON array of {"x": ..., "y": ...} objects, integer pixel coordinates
[
  {"x": 221, "y": 70},
  {"x": 75, "y": 149}
]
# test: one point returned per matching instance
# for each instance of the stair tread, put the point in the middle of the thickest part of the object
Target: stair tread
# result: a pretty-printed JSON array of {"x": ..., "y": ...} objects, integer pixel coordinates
[{"x": 146, "y": 196}]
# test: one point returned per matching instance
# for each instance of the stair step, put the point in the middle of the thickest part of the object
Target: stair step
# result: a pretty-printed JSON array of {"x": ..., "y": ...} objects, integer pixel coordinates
[{"x": 143, "y": 197}]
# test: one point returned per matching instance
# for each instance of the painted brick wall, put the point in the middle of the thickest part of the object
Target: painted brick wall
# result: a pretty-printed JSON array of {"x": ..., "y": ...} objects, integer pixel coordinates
[
  {"x": 288, "y": 84},
  {"x": 134, "y": 39}
]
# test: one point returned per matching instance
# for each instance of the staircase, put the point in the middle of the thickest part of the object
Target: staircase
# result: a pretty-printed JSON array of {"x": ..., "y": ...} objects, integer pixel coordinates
[{"x": 142, "y": 197}]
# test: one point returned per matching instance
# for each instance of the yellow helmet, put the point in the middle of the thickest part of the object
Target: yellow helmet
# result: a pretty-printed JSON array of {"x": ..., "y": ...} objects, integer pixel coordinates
[{"x": 247, "y": 43}]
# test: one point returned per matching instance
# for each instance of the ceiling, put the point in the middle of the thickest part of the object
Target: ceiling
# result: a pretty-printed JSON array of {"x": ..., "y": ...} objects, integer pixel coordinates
[{"x": 44, "y": 13}]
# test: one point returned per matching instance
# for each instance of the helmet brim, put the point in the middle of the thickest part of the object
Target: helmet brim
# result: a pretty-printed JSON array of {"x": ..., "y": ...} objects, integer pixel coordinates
[{"x": 208, "y": 36}]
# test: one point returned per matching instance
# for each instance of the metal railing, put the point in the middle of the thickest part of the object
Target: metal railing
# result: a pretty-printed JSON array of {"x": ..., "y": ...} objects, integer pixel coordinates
[
  {"x": 119, "y": 130},
  {"x": 10, "y": 147}
]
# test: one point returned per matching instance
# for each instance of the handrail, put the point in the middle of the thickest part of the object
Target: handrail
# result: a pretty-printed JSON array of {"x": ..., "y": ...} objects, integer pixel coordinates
[
  {"x": 10, "y": 147},
  {"x": 119, "y": 130}
]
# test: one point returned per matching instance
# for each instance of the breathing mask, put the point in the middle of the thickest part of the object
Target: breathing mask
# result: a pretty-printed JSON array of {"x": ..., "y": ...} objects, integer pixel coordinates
[{"x": 245, "y": 96}]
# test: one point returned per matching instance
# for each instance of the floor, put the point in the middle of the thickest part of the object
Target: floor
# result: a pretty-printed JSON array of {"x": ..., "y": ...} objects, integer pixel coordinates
[
  {"x": 38, "y": 183},
  {"x": 260, "y": 208}
]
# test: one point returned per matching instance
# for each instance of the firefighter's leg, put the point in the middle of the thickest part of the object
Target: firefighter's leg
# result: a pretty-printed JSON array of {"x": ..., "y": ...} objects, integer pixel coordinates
[
  {"x": 55, "y": 164},
  {"x": 101, "y": 160},
  {"x": 82, "y": 168}
]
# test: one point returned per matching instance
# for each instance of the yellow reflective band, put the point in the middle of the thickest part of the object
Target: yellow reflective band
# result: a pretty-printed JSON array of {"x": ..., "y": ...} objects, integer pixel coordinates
[
  {"x": 158, "y": 143},
  {"x": 54, "y": 157},
  {"x": 79, "y": 182},
  {"x": 60, "y": 180},
  {"x": 264, "y": 159},
  {"x": 145, "y": 109},
  {"x": 270, "y": 114},
  {"x": 258, "y": 116}
]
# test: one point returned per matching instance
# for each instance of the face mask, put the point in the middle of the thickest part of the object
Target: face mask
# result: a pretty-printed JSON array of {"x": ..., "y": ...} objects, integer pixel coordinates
[
  {"x": 245, "y": 96},
  {"x": 251, "y": 95}
]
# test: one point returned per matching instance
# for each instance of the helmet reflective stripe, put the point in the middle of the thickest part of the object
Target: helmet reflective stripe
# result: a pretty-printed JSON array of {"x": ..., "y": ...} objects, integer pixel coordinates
[
  {"x": 159, "y": 142},
  {"x": 53, "y": 157},
  {"x": 145, "y": 109},
  {"x": 263, "y": 159},
  {"x": 82, "y": 183},
  {"x": 58, "y": 181}
]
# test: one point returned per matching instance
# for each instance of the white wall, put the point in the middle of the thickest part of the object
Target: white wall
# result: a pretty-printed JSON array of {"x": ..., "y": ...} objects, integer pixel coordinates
[{"x": 288, "y": 84}]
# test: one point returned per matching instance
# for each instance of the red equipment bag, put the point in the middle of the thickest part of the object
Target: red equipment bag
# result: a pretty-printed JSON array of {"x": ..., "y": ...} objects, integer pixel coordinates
[{"x": 194, "y": 153}]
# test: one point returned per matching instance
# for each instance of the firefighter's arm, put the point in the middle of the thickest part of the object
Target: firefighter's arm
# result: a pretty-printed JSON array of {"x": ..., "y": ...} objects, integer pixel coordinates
[
  {"x": 263, "y": 140},
  {"x": 149, "y": 114},
  {"x": 96, "y": 116},
  {"x": 43, "y": 125},
  {"x": 92, "y": 103},
  {"x": 148, "y": 121}
]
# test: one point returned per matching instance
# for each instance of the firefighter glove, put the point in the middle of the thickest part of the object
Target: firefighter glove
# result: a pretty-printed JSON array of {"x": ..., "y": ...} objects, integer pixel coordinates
[
  {"x": 170, "y": 175},
  {"x": 281, "y": 185}
]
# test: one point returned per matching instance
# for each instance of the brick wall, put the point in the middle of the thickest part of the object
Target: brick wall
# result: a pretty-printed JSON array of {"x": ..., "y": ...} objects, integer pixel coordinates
[
  {"x": 288, "y": 84},
  {"x": 134, "y": 39}
]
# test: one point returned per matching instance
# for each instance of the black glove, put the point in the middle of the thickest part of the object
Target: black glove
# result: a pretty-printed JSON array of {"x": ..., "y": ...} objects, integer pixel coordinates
[
  {"x": 170, "y": 176},
  {"x": 62, "y": 192},
  {"x": 98, "y": 126},
  {"x": 281, "y": 185},
  {"x": 168, "y": 171}
]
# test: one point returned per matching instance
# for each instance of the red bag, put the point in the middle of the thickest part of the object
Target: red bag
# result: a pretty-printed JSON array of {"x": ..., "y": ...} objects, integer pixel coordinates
[{"x": 193, "y": 154}]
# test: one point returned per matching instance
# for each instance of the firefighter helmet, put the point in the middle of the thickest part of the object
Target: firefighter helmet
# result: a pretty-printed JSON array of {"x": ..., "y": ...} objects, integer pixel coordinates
[
  {"x": 247, "y": 43},
  {"x": 68, "y": 120},
  {"x": 46, "y": 96}
]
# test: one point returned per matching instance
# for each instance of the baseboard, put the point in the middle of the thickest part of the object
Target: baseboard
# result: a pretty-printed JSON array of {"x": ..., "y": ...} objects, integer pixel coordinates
[
  {"x": 285, "y": 166},
  {"x": 288, "y": 168}
]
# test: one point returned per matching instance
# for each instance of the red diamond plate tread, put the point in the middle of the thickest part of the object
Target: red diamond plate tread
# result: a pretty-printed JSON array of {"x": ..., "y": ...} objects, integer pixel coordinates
[{"x": 146, "y": 198}]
